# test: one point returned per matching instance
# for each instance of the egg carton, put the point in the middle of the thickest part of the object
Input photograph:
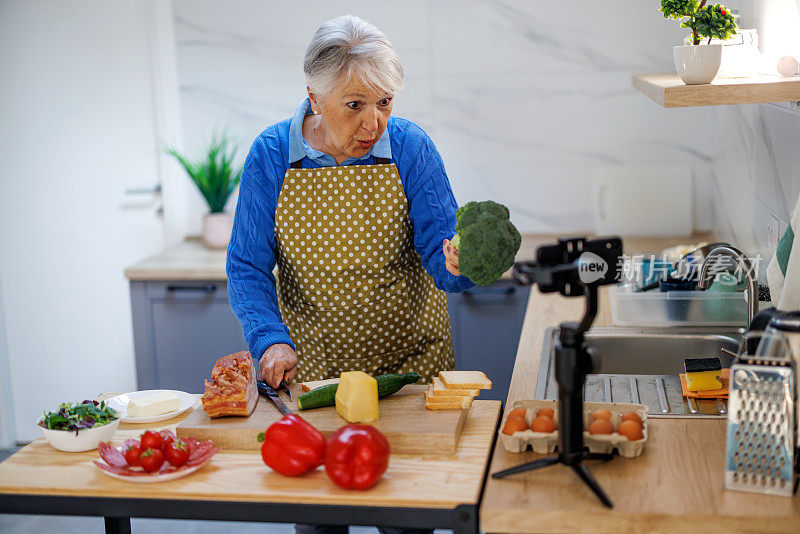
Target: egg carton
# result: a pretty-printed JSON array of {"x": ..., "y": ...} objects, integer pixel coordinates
[{"x": 544, "y": 442}]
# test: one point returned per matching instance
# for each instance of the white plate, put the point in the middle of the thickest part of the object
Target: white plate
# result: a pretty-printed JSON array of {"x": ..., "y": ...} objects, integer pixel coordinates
[
  {"x": 147, "y": 479},
  {"x": 120, "y": 403}
]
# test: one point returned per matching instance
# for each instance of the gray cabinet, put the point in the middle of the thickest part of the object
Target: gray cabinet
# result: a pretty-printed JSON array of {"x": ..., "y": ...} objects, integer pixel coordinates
[
  {"x": 486, "y": 324},
  {"x": 180, "y": 330}
]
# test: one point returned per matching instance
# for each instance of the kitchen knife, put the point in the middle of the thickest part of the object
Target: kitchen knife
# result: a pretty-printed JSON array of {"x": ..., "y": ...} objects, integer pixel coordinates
[
  {"x": 283, "y": 386},
  {"x": 266, "y": 391}
]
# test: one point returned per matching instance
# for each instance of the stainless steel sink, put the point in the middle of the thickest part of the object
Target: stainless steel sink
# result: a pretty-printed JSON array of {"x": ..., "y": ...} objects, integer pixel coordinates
[{"x": 642, "y": 365}]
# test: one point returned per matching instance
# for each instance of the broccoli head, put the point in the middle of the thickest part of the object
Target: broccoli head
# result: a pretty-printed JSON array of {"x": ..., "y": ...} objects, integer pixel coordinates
[{"x": 487, "y": 241}]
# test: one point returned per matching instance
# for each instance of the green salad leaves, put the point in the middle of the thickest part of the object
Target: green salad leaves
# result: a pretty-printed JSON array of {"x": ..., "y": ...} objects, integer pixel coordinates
[{"x": 70, "y": 416}]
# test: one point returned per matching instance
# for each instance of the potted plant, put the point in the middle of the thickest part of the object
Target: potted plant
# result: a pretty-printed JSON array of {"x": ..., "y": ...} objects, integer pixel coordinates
[
  {"x": 698, "y": 63},
  {"x": 216, "y": 180}
]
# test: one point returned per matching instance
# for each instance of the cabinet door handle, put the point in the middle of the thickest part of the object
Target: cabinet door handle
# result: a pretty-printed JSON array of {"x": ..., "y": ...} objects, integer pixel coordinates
[
  {"x": 490, "y": 291},
  {"x": 208, "y": 288}
]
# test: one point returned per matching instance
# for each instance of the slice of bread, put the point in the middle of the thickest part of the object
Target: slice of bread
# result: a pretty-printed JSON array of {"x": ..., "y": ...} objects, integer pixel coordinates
[
  {"x": 464, "y": 403},
  {"x": 465, "y": 380},
  {"x": 438, "y": 388},
  {"x": 430, "y": 397}
]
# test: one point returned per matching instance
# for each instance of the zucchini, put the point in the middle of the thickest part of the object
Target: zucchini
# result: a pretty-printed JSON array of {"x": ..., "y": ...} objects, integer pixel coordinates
[{"x": 326, "y": 395}]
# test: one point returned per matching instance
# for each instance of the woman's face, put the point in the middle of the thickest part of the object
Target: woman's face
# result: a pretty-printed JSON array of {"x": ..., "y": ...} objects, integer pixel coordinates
[{"x": 352, "y": 118}]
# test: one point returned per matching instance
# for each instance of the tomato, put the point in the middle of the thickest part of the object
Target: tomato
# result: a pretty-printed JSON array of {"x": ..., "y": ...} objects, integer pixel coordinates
[
  {"x": 176, "y": 452},
  {"x": 166, "y": 438},
  {"x": 132, "y": 454},
  {"x": 151, "y": 460},
  {"x": 152, "y": 440}
]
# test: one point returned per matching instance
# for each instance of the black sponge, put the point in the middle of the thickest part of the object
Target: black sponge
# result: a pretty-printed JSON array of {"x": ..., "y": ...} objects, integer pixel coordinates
[{"x": 698, "y": 365}]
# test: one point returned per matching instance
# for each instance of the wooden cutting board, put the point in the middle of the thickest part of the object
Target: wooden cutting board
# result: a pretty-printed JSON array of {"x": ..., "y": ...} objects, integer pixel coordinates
[{"x": 403, "y": 419}]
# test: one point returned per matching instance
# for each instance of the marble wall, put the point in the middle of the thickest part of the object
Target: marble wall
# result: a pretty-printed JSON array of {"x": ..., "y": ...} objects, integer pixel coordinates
[
  {"x": 756, "y": 171},
  {"x": 524, "y": 99}
]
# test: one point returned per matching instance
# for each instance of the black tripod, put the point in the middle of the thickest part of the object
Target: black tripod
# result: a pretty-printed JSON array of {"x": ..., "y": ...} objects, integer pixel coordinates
[{"x": 564, "y": 268}]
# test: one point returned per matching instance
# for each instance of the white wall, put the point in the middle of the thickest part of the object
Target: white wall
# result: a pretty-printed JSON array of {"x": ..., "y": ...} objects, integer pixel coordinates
[
  {"x": 757, "y": 160},
  {"x": 525, "y": 100},
  {"x": 77, "y": 129}
]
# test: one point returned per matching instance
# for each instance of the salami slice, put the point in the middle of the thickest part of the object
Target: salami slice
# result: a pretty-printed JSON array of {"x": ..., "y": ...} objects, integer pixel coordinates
[
  {"x": 111, "y": 455},
  {"x": 130, "y": 442},
  {"x": 204, "y": 457}
]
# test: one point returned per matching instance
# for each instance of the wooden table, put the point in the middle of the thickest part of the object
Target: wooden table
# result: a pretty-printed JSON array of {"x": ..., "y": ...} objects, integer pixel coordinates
[
  {"x": 675, "y": 486},
  {"x": 415, "y": 492}
]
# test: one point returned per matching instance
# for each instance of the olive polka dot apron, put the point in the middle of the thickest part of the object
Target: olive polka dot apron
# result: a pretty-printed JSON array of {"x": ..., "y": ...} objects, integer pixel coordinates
[{"x": 351, "y": 286}]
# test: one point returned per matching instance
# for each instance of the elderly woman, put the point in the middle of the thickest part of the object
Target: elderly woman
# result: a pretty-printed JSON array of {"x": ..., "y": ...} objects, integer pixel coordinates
[{"x": 356, "y": 209}]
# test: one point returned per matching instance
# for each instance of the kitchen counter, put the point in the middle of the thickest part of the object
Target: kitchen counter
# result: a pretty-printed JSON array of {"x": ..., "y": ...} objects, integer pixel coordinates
[
  {"x": 422, "y": 490},
  {"x": 675, "y": 486},
  {"x": 191, "y": 260}
]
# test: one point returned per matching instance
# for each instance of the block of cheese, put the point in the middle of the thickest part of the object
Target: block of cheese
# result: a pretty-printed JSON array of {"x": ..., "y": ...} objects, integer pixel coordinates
[
  {"x": 465, "y": 380},
  {"x": 440, "y": 389},
  {"x": 703, "y": 374},
  {"x": 357, "y": 397},
  {"x": 153, "y": 404}
]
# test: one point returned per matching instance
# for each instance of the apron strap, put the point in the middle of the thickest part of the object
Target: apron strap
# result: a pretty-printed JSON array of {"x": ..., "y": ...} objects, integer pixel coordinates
[{"x": 378, "y": 161}]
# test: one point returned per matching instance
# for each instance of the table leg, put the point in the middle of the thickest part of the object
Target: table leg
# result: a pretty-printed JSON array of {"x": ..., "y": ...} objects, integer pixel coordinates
[
  {"x": 118, "y": 525},
  {"x": 465, "y": 520}
]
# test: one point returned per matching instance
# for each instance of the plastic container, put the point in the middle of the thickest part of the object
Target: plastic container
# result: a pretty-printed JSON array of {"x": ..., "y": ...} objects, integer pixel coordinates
[
  {"x": 546, "y": 442},
  {"x": 676, "y": 308}
]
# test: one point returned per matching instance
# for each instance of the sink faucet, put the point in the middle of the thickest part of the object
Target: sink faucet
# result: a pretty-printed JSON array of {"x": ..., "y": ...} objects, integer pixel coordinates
[{"x": 736, "y": 255}]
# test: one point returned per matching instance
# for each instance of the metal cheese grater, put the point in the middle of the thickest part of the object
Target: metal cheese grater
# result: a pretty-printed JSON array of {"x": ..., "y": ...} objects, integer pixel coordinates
[{"x": 760, "y": 454}]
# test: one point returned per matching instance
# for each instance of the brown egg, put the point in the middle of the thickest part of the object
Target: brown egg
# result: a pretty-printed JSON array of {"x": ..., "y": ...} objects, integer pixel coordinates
[
  {"x": 517, "y": 412},
  {"x": 546, "y": 412},
  {"x": 601, "y": 414},
  {"x": 543, "y": 424},
  {"x": 514, "y": 424},
  {"x": 601, "y": 426},
  {"x": 632, "y": 416},
  {"x": 631, "y": 430}
]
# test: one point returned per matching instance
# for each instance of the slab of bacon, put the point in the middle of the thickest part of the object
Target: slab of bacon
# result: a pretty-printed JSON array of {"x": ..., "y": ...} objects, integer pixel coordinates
[
  {"x": 199, "y": 453},
  {"x": 232, "y": 389}
]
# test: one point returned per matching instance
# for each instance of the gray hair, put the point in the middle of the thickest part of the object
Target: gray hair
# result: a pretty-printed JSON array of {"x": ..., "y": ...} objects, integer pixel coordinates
[{"x": 349, "y": 46}]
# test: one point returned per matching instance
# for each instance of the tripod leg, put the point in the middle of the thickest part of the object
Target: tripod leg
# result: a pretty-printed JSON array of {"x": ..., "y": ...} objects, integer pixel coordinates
[
  {"x": 587, "y": 477},
  {"x": 530, "y": 466}
]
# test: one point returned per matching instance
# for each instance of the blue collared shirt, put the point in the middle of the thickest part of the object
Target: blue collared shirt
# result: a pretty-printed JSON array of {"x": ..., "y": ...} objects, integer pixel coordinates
[
  {"x": 251, "y": 252},
  {"x": 298, "y": 148}
]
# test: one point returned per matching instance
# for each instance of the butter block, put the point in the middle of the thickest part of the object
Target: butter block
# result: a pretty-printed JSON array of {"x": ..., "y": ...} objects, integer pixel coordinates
[
  {"x": 357, "y": 397},
  {"x": 153, "y": 404},
  {"x": 703, "y": 374}
]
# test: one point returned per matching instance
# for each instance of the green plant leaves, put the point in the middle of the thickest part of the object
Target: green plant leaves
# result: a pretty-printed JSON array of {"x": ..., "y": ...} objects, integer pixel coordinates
[
  {"x": 715, "y": 21},
  {"x": 214, "y": 176},
  {"x": 704, "y": 20},
  {"x": 676, "y": 9}
]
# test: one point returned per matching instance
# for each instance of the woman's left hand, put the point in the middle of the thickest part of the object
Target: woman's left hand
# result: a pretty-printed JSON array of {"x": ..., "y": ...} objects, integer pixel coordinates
[{"x": 451, "y": 257}]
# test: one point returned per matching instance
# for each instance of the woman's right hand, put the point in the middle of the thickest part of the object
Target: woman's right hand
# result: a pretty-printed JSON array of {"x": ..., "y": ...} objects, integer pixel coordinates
[{"x": 278, "y": 362}]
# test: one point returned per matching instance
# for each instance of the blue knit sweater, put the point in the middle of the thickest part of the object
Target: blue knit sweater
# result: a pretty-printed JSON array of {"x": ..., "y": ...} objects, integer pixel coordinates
[{"x": 251, "y": 252}]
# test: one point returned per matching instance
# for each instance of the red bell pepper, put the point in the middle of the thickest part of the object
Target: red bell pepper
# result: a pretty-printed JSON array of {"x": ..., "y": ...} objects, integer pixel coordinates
[
  {"x": 357, "y": 456},
  {"x": 292, "y": 446}
]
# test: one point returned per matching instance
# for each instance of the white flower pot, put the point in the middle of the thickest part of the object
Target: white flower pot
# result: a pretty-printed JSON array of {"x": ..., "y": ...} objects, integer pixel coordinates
[
  {"x": 697, "y": 64},
  {"x": 217, "y": 228}
]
